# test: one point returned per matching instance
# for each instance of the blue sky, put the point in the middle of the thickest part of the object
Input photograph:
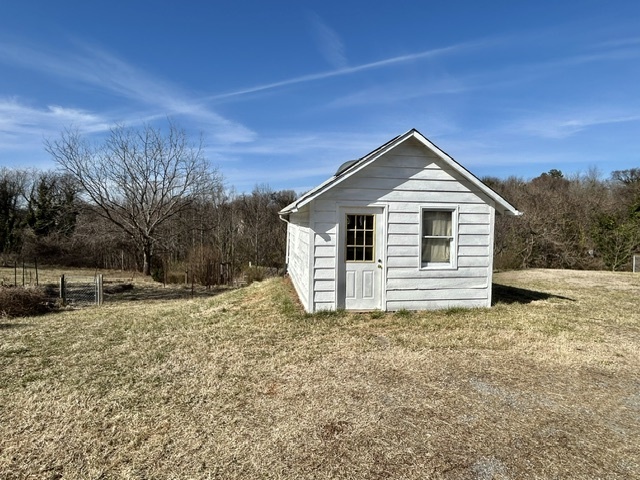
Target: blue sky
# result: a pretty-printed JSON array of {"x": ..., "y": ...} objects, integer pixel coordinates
[{"x": 284, "y": 92}]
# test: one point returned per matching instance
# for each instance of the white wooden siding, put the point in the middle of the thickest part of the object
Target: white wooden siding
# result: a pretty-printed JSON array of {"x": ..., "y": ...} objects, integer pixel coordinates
[
  {"x": 324, "y": 270},
  {"x": 298, "y": 262},
  {"x": 406, "y": 179}
]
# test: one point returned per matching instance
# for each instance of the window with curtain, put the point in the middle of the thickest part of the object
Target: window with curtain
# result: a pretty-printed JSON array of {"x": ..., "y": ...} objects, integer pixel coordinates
[{"x": 437, "y": 237}]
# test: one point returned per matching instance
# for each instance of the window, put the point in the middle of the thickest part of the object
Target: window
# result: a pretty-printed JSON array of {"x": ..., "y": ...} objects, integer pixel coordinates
[
  {"x": 360, "y": 238},
  {"x": 438, "y": 238}
]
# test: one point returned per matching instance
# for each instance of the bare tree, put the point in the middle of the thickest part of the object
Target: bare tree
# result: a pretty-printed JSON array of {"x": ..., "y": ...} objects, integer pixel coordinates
[{"x": 137, "y": 179}]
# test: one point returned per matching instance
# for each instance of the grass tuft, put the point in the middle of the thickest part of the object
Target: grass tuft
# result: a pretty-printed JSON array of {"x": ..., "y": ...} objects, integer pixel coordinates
[
  {"x": 456, "y": 311},
  {"x": 327, "y": 314},
  {"x": 403, "y": 313}
]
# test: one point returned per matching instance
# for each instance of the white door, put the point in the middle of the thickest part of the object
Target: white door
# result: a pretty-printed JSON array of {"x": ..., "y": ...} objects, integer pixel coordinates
[{"x": 362, "y": 258}]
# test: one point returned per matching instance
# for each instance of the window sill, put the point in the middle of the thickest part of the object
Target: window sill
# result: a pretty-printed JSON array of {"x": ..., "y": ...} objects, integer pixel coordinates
[{"x": 447, "y": 266}]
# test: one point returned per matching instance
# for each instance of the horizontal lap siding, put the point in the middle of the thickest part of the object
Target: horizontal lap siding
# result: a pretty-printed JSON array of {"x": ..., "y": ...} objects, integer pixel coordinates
[
  {"x": 298, "y": 266},
  {"x": 454, "y": 293},
  {"x": 435, "y": 304},
  {"x": 405, "y": 180},
  {"x": 324, "y": 281}
]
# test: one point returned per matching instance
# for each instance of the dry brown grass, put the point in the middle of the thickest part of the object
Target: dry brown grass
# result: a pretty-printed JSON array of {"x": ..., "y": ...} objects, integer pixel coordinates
[
  {"x": 119, "y": 285},
  {"x": 20, "y": 302},
  {"x": 243, "y": 385},
  {"x": 51, "y": 275}
]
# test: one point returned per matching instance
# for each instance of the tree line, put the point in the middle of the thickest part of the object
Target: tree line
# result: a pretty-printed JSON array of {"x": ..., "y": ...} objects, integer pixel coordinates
[
  {"x": 143, "y": 199},
  {"x": 583, "y": 221},
  {"x": 147, "y": 199}
]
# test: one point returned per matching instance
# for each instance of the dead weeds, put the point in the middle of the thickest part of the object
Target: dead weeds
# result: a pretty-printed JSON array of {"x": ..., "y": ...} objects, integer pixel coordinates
[{"x": 244, "y": 385}]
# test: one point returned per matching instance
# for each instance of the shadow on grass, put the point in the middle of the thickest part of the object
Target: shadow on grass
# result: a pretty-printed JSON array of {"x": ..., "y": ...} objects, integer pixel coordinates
[
  {"x": 153, "y": 292},
  {"x": 7, "y": 326},
  {"x": 511, "y": 295}
]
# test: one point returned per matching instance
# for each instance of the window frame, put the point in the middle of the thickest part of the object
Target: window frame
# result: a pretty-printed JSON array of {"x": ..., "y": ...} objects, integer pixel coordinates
[{"x": 453, "y": 247}]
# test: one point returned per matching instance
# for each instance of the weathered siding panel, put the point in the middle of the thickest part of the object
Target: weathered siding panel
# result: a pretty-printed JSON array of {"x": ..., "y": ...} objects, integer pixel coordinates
[
  {"x": 347, "y": 195},
  {"x": 324, "y": 261},
  {"x": 298, "y": 262},
  {"x": 393, "y": 306},
  {"x": 437, "y": 294},
  {"x": 412, "y": 272},
  {"x": 431, "y": 283}
]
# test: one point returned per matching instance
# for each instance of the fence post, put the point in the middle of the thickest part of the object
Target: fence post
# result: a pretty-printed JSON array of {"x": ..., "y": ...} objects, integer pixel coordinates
[
  {"x": 63, "y": 293},
  {"x": 15, "y": 273},
  {"x": 35, "y": 261},
  {"x": 99, "y": 291}
]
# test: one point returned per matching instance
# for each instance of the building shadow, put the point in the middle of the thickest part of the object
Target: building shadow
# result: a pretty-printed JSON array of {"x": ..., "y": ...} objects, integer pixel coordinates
[{"x": 510, "y": 295}]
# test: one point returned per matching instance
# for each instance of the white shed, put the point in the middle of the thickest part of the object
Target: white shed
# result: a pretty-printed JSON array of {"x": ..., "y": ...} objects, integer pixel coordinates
[{"x": 404, "y": 227}]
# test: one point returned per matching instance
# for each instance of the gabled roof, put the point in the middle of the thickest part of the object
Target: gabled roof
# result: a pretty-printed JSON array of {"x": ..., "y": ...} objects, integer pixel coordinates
[{"x": 347, "y": 169}]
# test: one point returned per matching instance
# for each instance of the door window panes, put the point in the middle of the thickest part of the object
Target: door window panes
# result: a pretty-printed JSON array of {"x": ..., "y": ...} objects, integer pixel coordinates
[{"x": 360, "y": 237}]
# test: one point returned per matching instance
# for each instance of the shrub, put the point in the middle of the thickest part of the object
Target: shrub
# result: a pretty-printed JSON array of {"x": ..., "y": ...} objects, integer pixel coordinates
[
  {"x": 254, "y": 274},
  {"x": 23, "y": 302}
]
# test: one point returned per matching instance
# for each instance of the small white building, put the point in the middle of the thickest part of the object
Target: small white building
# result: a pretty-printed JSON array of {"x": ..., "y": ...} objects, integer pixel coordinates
[{"x": 404, "y": 227}]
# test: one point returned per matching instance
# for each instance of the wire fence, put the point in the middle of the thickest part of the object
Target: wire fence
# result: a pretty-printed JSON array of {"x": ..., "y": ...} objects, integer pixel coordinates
[
  {"x": 20, "y": 273},
  {"x": 75, "y": 290}
]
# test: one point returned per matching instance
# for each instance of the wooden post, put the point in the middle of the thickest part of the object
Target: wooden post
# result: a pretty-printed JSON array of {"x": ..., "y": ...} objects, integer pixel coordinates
[
  {"x": 15, "y": 273},
  {"x": 165, "y": 268},
  {"x": 63, "y": 293},
  {"x": 23, "y": 273},
  {"x": 35, "y": 260},
  {"x": 99, "y": 290}
]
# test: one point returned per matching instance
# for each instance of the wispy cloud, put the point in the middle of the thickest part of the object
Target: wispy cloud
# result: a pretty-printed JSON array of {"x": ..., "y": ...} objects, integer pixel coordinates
[
  {"x": 448, "y": 82},
  {"x": 402, "y": 91},
  {"x": 329, "y": 42},
  {"x": 620, "y": 42},
  {"x": 307, "y": 157},
  {"x": 19, "y": 120},
  {"x": 566, "y": 125},
  {"x": 93, "y": 66},
  {"x": 345, "y": 145},
  {"x": 451, "y": 83},
  {"x": 339, "y": 72}
]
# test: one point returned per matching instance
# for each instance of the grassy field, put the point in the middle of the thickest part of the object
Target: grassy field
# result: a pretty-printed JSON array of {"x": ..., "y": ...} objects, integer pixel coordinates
[
  {"x": 243, "y": 385},
  {"x": 51, "y": 275}
]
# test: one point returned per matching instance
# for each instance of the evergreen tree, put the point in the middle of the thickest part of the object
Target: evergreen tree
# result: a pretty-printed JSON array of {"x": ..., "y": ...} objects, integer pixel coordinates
[
  {"x": 52, "y": 205},
  {"x": 11, "y": 191}
]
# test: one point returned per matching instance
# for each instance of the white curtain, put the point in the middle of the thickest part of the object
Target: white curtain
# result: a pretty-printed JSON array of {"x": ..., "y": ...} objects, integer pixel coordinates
[{"x": 436, "y": 224}]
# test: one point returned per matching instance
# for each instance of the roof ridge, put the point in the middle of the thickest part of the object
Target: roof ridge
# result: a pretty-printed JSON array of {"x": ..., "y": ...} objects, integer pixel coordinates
[{"x": 348, "y": 168}]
